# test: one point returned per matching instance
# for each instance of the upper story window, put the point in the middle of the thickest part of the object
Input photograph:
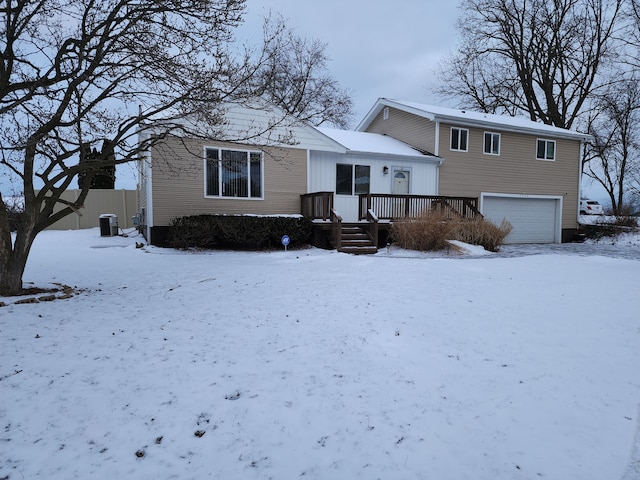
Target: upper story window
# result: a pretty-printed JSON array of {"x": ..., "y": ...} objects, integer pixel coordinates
[
  {"x": 352, "y": 179},
  {"x": 546, "y": 149},
  {"x": 459, "y": 139},
  {"x": 233, "y": 173},
  {"x": 491, "y": 143}
]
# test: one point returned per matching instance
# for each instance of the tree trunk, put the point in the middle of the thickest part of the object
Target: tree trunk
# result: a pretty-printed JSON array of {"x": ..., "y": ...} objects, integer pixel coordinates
[
  {"x": 13, "y": 257},
  {"x": 11, "y": 270}
]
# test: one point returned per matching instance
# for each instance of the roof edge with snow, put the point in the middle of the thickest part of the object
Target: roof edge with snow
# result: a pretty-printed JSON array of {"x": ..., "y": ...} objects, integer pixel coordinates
[{"x": 469, "y": 118}]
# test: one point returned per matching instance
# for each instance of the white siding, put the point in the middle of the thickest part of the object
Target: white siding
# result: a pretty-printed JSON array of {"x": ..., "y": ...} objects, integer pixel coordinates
[{"x": 322, "y": 173}]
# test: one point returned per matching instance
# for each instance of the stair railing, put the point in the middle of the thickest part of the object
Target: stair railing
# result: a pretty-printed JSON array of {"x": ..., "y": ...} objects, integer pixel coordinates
[
  {"x": 336, "y": 222},
  {"x": 373, "y": 220}
]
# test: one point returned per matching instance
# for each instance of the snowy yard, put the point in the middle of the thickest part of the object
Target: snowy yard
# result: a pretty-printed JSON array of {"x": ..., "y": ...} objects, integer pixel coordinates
[{"x": 320, "y": 365}]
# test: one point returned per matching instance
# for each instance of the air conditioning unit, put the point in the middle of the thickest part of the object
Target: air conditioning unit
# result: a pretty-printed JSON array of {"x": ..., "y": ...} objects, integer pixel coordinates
[{"x": 108, "y": 225}]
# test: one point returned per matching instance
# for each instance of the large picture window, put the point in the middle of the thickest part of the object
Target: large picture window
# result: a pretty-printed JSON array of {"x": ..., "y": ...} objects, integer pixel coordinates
[
  {"x": 352, "y": 179},
  {"x": 233, "y": 173},
  {"x": 546, "y": 150}
]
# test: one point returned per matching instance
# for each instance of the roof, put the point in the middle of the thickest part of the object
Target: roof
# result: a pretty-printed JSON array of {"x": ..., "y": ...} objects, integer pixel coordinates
[
  {"x": 365, "y": 142},
  {"x": 261, "y": 124},
  {"x": 469, "y": 118}
]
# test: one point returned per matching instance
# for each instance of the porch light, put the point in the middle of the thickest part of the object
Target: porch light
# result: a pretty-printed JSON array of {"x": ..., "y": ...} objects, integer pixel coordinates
[{"x": 385, "y": 170}]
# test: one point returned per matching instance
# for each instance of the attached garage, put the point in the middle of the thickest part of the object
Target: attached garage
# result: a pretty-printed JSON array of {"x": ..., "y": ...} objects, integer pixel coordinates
[{"x": 535, "y": 218}]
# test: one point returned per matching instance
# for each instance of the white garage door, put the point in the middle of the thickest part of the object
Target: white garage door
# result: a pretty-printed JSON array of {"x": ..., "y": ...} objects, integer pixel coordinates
[{"x": 534, "y": 220}]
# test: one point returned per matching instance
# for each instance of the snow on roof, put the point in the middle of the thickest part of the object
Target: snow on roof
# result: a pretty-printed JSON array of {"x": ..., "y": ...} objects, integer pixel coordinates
[
  {"x": 471, "y": 118},
  {"x": 366, "y": 142}
]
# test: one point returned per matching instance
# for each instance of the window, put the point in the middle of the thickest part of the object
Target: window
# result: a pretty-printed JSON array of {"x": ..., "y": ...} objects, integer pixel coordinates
[
  {"x": 459, "y": 138},
  {"x": 491, "y": 143},
  {"x": 385, "y": 113},
  {"x": 233, "y": 173},
  {"x": 546, "y": 150},
  {"x": 352, "y": 179}
]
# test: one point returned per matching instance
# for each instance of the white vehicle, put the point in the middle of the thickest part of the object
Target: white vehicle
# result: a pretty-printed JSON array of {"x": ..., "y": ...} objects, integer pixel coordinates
[{"x": 590, "y": 207}]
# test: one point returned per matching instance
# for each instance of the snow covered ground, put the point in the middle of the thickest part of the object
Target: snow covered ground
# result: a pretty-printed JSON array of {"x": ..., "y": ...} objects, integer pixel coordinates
[{"x": 320, "y": 365}]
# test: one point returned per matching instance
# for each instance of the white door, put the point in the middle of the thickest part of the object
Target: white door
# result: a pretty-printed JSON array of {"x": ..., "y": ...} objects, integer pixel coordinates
[
  {"x": 534, "y": 220},
  {"x": 400, "y": 182}
]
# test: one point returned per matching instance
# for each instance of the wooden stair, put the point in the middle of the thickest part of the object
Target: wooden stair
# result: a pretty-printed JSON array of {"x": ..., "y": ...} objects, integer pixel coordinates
[{"x": 355, "y": 240}]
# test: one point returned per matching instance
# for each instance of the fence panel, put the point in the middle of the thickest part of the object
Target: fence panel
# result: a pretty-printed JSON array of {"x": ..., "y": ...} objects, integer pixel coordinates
[{"x": 122, "y": 203}]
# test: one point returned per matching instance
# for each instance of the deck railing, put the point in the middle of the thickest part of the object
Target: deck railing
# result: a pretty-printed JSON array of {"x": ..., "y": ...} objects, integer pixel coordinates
[
  {"x": 390, "y": 207},
  {"x": 316, "y": 206}
]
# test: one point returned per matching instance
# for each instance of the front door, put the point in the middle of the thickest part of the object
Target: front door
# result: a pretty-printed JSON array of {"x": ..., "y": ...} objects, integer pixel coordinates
[{"x": 400, "y": 182}]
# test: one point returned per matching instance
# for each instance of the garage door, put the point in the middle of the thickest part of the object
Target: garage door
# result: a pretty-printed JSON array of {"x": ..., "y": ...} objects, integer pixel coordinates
[{"x": 534, "y": 220}]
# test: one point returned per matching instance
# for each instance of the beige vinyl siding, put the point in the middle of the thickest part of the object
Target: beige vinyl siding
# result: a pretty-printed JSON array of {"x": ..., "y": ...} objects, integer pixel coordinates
[
  {"x": 178, "y": 181},
  {"x": 516, "y": 170},
  {"x": 406, "y": 127}
]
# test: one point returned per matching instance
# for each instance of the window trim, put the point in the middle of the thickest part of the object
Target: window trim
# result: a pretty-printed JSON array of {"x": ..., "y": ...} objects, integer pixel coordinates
[
  {"x": 459, "y": 129},
  {"x": 546, "y": 142},
  {"x": 353, "y": 167},
  {"x": 248, "y": 153},
  {"x": 493, "y": 136}
]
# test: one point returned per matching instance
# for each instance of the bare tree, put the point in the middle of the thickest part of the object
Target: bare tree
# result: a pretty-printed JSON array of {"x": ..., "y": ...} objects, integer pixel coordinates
[
  {"x": 613, "y": 158},
  {"x": 79, "y": 74},
  {"x": 293, "y": 75},
  {"x": 540, "y": 58}
]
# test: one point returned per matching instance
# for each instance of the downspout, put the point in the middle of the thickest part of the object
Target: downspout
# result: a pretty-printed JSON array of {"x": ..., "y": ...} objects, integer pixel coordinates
[
  {"x": 145, "y": 176},
  {"x": 437, "y": 154},
  {"x": 308, "y": 171},
  {"x": 149, "y": 174},
  {"x": 583, "y": 151}
]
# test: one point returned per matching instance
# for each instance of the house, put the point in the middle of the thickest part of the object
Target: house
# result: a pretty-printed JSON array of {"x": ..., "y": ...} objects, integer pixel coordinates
[
  {"x": 402, "y": 159},
  {"x": 279, "y": 160},
  {"x": 524, "y": 171}
]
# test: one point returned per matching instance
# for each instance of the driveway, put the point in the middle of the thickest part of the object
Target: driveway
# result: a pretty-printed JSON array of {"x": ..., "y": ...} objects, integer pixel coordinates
[{"x": 623, "y": 248}]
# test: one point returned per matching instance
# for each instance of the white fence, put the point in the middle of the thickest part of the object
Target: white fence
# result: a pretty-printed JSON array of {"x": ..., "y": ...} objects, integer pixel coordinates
[{"x": 122, "y": 203}]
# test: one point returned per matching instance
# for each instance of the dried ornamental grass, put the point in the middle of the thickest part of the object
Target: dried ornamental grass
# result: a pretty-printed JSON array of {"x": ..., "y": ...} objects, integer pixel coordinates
[{"x": 431, "y": 230}]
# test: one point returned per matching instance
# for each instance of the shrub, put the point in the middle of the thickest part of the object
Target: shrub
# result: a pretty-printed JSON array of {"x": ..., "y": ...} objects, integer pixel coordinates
[
  {"x": 432, "y": 229},
  {"x": 237, "y": 231},
  {"x": 429, "y": 231},
  {"x": 610, "y": 227},
  {"x": 480, "y": 231}
]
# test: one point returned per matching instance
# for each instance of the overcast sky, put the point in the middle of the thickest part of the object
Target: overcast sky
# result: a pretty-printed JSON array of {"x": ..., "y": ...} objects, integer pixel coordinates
[{"x": 377, "y": 48}]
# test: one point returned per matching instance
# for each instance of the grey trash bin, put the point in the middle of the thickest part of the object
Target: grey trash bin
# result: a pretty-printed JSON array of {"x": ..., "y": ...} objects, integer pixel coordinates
[{"x": 108, "y": 225}]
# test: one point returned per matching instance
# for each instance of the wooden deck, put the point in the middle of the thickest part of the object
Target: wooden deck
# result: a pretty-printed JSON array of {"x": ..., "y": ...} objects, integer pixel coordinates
[{"x": 364, "y": 236}]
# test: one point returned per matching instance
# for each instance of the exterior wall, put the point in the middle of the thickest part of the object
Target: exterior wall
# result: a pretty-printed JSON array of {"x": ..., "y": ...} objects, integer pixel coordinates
[
  {"x": 122, "y": 203},
  {"x": 416, "y": 131},
  {"x": 178, "y": 181},
  {"x": 144, "y": 172},
  {"x": 516, "y": 170},
  {"x": 322, "y": 170}
]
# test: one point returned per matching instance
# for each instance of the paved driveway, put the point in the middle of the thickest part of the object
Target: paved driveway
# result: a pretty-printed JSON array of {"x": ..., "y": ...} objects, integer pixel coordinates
[{"x": 629, "y": 249}]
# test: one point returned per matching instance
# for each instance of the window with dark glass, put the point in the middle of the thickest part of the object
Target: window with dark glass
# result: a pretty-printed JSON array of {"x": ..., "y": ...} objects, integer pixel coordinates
[
  {"x": 546, "y": 150},
  {"x": 362, "y": 179},
  {"x": 491, "y": 143},
  {"x": 352, "y": 179},
  {"x": 233, "y": 173},
  {"x": 459, "y": 139}
]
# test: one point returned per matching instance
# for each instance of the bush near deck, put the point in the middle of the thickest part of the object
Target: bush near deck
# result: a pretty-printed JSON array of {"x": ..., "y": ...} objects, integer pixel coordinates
[{"x": 238, "y": 231}]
